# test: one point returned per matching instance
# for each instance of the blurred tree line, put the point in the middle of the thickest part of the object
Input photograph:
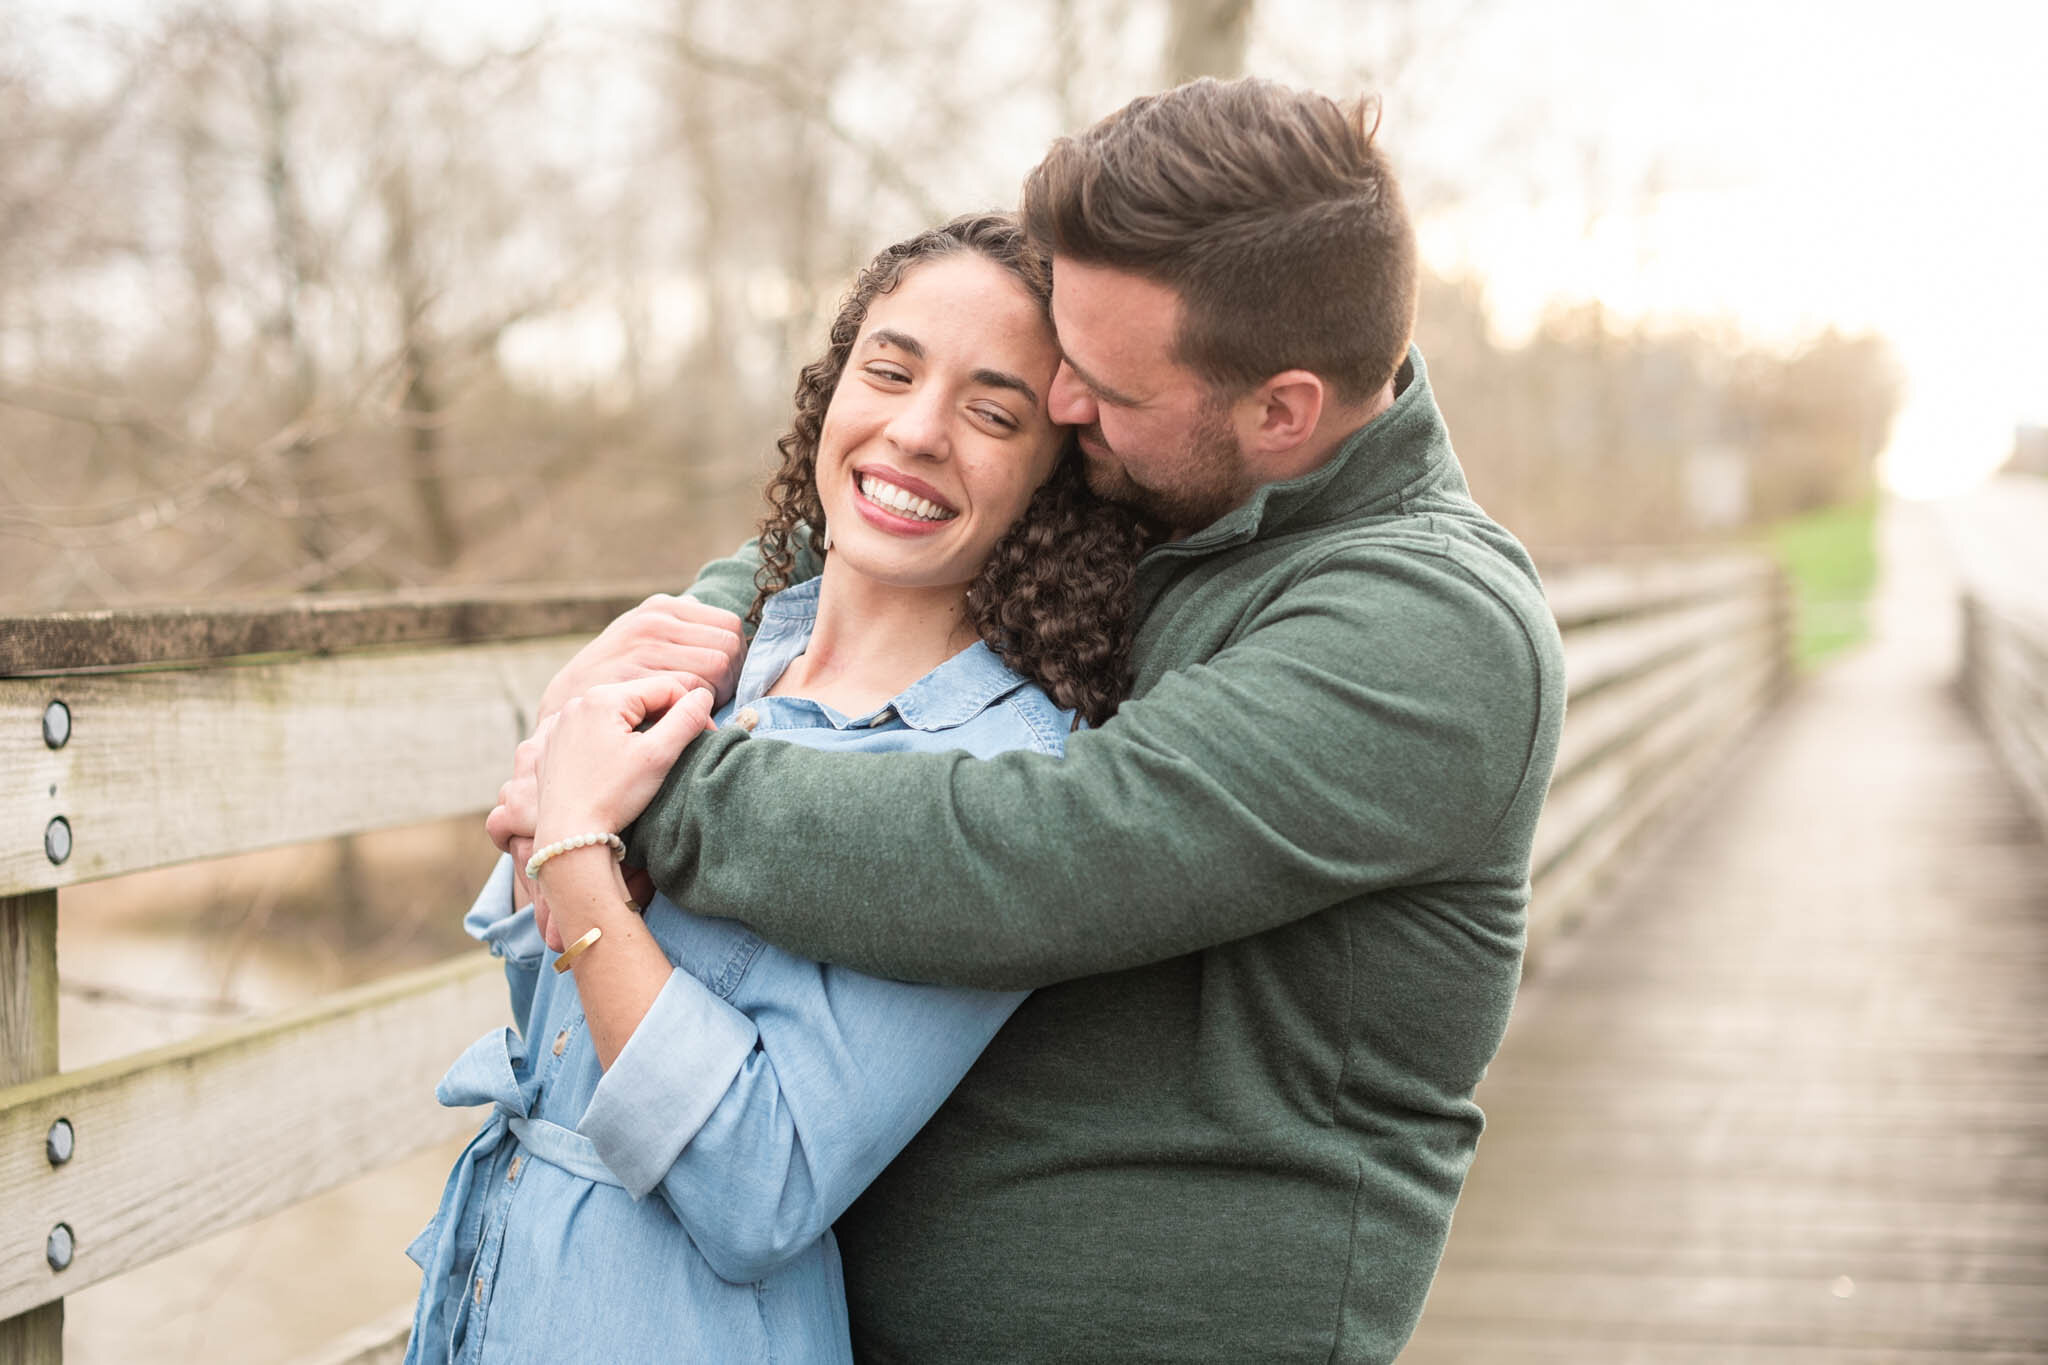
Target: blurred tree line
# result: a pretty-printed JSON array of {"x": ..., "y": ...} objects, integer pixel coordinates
[{"x": 308, "y": 297}]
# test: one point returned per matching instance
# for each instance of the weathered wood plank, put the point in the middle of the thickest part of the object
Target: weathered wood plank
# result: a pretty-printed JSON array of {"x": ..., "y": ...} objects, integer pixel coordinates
[
  {"x": 2006, "y": 678},
  {"x": 164, "y": 767},
  {"x": 1575, "y": 865},
  {"x": 28, "y": 986},
  {"x": 186, "y": 1141},
  {"x": 35, "y": 1337},
  {"x": 135, "y": 637},
  {"x": 1613, "y": 717},
  {"x": 1613, "y": 652},
  {"x": 28, "y": 1050},
  {"x": 1555, "y": 1305},
  {"x": 1584, "y": 594},
  {"x": 1604, "y": 791}
]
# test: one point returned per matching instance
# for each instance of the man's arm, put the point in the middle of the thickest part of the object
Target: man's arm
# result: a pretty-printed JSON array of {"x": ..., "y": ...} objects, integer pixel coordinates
[
  {"x": 729, "y": 582},
  {"x": 1369, "y": 727}
]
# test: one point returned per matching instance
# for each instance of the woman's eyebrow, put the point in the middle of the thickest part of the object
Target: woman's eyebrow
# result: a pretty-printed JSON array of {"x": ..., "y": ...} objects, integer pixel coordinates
[
  {"x": 1003, "y": 379},
  {"x": 993, "y": 379},
  {"x": 902, "y": 341}
]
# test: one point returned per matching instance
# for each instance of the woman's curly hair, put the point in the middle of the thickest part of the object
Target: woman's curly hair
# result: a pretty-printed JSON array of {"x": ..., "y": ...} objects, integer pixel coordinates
[{"x": 1055, "y": 598}]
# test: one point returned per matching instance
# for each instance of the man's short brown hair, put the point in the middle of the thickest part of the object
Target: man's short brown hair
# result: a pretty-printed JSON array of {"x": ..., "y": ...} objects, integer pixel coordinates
[{"x": 1269, "y": 211}]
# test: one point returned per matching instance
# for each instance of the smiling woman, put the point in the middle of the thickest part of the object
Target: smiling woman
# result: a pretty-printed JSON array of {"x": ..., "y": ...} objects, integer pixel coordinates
[
  {"x": 684, "y": 1109},
  {"x": 923, "y": 453}
]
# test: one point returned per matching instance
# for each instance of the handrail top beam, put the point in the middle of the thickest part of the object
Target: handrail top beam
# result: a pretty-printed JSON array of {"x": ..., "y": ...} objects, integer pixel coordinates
[{"x": 137, "y": 637}]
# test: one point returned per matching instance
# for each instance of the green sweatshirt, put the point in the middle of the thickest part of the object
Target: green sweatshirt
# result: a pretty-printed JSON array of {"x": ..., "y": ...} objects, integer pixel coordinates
[{"x": 1273, "y": 910}]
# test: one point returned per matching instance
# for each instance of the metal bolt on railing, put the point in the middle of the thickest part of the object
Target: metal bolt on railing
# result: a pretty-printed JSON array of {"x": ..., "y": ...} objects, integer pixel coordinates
[
  {"x": 57, "y": 840},
  {"x": 56, "y": 725},
  {"x": 58, "y": 1250},
  {"x": 61, "y": 1142}
]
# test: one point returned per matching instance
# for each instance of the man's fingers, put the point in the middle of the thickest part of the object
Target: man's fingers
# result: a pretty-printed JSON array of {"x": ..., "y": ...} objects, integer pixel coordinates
[
  {"x": 686, "y": 718},
  {"x": 638, "y": 698},
  {"x": 688, "y": 609}
]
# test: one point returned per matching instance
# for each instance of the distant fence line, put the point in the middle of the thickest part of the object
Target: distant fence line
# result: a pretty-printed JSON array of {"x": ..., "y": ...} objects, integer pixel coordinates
[
  {"x": 135, "y": 739},
  {"x": 2005, "y": 678}
]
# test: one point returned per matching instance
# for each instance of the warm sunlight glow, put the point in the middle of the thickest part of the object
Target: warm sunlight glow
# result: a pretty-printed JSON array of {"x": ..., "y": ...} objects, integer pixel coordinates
[{"x": 1783, "y": 168}]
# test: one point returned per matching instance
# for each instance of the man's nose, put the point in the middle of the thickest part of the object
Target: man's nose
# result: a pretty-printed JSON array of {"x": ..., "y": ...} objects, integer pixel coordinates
[{"x": 1069, "y": 403}]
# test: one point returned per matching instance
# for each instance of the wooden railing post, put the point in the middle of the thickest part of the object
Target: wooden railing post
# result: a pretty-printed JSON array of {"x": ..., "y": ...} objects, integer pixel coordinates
[{"x": 28, "y": 1049}]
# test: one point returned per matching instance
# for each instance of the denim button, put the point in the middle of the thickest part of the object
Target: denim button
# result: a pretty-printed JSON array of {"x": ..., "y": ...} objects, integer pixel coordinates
[
  {"x": 561, "y": 1041},
  {"x": 512, "y": 1172},
  {"x": 746, "y": 718}
]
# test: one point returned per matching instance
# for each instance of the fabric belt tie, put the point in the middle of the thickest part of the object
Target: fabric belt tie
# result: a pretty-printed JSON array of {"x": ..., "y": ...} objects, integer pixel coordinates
[{"x": 488, "y": 1073}]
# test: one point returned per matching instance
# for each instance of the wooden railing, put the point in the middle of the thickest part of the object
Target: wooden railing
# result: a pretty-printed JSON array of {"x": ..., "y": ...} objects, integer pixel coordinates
[
  {"x": 1667, "y": 663},
  {"x": 132, "y": 740},
  {"x": 2005, "y": 677}
]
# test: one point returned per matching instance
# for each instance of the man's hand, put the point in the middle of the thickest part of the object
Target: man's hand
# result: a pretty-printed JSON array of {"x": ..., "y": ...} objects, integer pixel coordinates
[
  {"x": 510, "y": 823},
  {"x": 696, "y": 644}
]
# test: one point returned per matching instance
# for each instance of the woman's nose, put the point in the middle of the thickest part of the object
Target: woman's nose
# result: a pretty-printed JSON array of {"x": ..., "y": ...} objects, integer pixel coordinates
[
  {"x": 919, "y": 425},
  {"x": 1068, "y": 402}
]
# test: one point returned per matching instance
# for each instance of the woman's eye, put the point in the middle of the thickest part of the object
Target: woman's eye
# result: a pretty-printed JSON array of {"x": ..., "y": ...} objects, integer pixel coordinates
[
  {"x": 997, "y": 417},
  {"x": 887, "y": 373}
]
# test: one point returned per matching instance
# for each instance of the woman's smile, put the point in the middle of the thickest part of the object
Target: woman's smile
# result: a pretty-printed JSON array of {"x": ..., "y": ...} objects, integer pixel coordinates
[{"x": 903, "y": 497}]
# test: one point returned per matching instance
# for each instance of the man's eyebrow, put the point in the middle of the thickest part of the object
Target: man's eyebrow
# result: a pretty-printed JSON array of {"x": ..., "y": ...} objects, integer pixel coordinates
[
  {"x": 1096, "y": 386},
  {"x": 902, "y": 341}
]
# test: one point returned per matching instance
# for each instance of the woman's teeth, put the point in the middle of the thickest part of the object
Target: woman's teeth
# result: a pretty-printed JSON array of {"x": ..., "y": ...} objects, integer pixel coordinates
[{"x": 902, "y": 501}]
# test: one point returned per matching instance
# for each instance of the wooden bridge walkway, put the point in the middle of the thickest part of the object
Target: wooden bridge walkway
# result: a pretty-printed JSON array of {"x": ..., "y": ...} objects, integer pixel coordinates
[{"x": 1786, "y": 1098}]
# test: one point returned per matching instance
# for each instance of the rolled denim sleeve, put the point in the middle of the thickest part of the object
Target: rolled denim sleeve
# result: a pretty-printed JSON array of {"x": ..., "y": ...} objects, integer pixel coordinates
[
  {"x": 848, "y": 1067},
  {"x": 509, "y": 934},
  {"x": 672, "y": 1073}
]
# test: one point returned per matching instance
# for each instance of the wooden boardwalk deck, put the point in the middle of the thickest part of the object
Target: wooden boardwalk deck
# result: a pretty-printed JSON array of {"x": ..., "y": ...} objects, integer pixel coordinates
[{"x": 1786, "y": 1098}]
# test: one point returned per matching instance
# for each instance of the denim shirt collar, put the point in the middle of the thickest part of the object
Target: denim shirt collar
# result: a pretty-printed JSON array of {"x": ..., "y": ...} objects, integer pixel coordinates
[{"x": 952, "y": 694}]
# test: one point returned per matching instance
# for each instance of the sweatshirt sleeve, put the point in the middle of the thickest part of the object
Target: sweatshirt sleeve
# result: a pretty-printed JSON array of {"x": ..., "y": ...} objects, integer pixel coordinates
[
  {"x": 1369, "y": 725},
  {"x": 729, "y": 582}
]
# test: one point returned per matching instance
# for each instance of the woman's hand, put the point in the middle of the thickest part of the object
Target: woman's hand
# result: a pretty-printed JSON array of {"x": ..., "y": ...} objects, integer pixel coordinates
[
  {"x": 698, "y": 644},
  {"x": 596, "y": 770}
]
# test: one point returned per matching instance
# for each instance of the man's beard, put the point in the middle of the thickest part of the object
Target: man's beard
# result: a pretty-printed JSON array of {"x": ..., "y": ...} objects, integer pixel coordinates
[{"x": 1204, "y": 484}]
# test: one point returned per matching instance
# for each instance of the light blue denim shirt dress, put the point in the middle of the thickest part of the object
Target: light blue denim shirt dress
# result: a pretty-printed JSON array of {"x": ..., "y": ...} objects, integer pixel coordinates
[{"x": 679, "y": 1206}]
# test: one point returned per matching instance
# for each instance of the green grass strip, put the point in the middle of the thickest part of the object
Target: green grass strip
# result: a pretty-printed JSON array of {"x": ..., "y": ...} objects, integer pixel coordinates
[{"x": 1831, "y": 557}]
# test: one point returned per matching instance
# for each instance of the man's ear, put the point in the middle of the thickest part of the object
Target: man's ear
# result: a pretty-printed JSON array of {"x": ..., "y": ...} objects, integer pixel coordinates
[{"x": 1280, "y": 415}]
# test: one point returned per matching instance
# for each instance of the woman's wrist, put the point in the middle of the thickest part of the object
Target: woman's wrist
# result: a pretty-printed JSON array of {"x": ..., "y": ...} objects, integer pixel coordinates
[
  {"x": 584, "y": 890},
  {"x": 593, "y": 837}
]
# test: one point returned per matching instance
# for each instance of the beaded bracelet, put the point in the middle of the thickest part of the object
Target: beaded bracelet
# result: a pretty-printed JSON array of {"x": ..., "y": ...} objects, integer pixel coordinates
[{"x": 560, "y": 846}]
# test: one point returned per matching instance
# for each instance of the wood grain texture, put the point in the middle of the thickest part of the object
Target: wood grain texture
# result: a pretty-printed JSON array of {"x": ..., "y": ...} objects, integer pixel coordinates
[
  {"x": 28, "y": 1050},
  {"x": 134, "y": 637},
  {"x": 28, "y": 986},
  {"x": 186, "y": 1141},
  {"x": 2005, "y": 675},
  {"x": 1585, "y": 594},
  {"x": 163, "y": 767}
]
